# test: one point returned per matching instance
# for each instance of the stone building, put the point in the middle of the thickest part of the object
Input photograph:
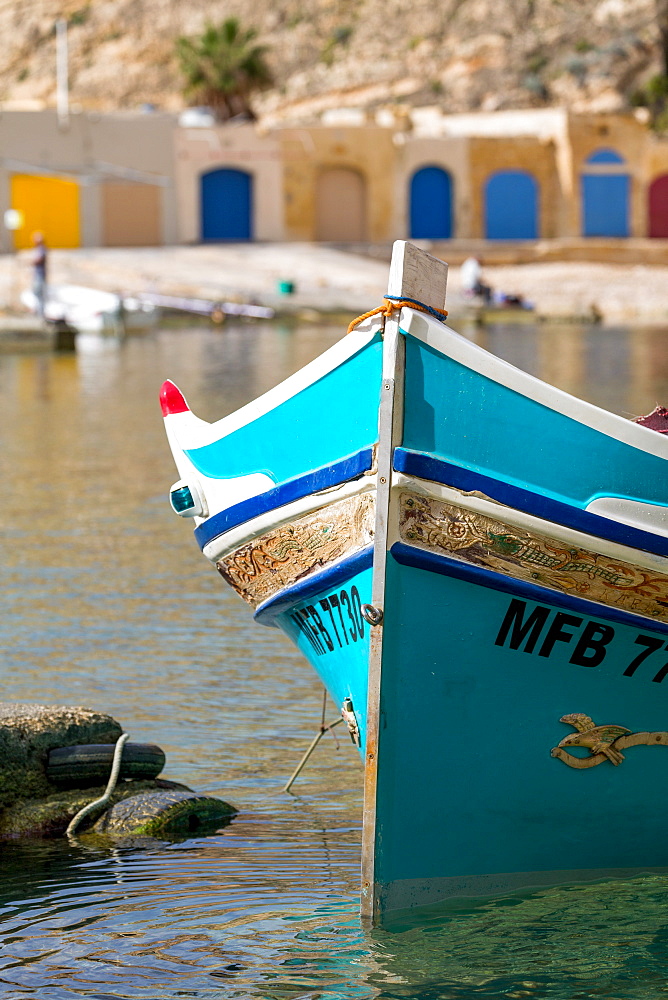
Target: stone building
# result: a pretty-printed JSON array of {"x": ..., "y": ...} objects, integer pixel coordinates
[
  {"x": 92, "y": 180},
  {"x": 544, "y": 174},
  {"x": 509, "y": 176},
  {"x": 229, "y": 183}
]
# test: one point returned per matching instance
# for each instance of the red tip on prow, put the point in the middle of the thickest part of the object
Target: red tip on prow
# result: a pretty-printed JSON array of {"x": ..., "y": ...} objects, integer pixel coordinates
[{"x": 172, "y": 399}]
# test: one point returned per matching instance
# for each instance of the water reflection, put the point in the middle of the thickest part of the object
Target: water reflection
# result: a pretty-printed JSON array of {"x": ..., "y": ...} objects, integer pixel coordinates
[
  {"x": 606, "y": 940},
  {"x": 106, "y": 602},
  {"x": 178, "y": 920},
  {"x": 622, "y": 369}
]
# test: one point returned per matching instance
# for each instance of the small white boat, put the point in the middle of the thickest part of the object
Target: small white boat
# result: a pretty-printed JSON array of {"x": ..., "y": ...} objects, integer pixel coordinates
[{"x": 89, "y": 310}]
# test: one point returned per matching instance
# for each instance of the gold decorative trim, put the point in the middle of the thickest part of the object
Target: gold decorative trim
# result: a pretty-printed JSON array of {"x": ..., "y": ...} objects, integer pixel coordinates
[
  {"x": 279, "y": 558},
  {"x": 603, "y": 742},
  {"x": 536, "y": 558}
]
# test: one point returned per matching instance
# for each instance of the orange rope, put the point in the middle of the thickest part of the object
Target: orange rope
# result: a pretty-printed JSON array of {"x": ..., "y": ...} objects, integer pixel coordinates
[{"x": 390, "y": 305}]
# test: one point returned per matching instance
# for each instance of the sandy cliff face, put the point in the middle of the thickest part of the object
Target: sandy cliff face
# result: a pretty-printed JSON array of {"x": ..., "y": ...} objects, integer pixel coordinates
[{"x": 460, "y": 54}]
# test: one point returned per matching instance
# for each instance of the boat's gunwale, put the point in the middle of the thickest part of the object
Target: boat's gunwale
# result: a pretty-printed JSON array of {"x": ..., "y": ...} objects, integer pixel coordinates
[
  {"x": 200, "y": 434},
  {"x": 453, "y": 345}
]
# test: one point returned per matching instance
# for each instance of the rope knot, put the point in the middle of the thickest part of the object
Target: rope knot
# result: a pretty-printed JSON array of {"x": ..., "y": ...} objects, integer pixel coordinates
[{"x": 393, "y": 302}]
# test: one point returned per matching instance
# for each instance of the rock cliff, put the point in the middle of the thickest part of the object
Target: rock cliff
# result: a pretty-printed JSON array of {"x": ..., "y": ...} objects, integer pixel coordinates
[{"x": 461, "y": 55}]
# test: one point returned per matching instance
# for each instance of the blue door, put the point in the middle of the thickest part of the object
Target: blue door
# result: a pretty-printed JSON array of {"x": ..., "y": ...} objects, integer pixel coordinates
[
  {"x": 431, "y": 204},
  {"x": 605, "y": 195},
  {"x": 227, "y": 205},
  {"x": 511, "y": 206}
]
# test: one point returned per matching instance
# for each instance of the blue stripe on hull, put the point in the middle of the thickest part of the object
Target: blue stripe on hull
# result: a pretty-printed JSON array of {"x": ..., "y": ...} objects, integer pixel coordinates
[
  {"x": 467, "y": 785},
  {"x": 427, "y": 467},
  {"x": 327, "y": 627},
  {"x": 322, "y": 479},
  {"x": 437, "y": 563}
]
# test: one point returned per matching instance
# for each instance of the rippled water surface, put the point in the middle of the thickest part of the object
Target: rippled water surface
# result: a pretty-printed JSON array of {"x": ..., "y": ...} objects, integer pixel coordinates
[{"x": 106, "y": 602}]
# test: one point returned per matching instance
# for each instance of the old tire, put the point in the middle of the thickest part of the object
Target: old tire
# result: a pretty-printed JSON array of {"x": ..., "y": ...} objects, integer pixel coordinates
[
  {"x": 166, "y": 815},
  {"x": 90, "y": 764}
]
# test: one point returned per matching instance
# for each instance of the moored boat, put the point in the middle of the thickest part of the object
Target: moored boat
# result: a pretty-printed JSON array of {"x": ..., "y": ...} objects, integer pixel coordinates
[
  {"x": 91, "y": 311},
  {"x": 475, "y": 563}
]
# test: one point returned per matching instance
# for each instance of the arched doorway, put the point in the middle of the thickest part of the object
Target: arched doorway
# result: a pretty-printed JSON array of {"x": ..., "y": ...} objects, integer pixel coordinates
[
  {"x": 340, "y": 206},
  {"x": 431, "y": 204},
  {"x": 658, "y": 207},
  {"x": 605, "y": 195},
  {"x": 227, "y": 205},
  {"x": 511, "y": 206}
]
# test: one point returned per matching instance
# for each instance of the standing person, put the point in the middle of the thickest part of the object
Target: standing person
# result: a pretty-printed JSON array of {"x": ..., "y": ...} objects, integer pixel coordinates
[
  {"x": 471, "y": 278},
  {"x": 39, "y": 259}
]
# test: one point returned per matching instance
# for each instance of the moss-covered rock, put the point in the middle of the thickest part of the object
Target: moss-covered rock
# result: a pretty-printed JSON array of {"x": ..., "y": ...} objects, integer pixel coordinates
[
  {"x": 50, "y": 816},
  {"x": 31, "y": 806},
  {"x": 29, "y": 732},
  {"x": 168, "y": 814}
]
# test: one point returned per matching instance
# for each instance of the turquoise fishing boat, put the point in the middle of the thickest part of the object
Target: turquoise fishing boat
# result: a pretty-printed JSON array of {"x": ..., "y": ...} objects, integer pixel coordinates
[{"x": 475, "y": 564}]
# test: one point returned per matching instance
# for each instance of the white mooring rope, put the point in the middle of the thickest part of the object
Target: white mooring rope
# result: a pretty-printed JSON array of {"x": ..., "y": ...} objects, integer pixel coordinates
[{"x": 108, "y": 792}]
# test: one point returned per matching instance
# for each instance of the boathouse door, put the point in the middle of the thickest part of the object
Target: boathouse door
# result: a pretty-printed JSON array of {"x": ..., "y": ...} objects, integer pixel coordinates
[
  {"x": 431, "y": 204},
  {"x": 605, "y": 195},
  {"x": 227, "y": 205},
  {"x": 49, "y": 205},
  {"x": 340, "y": 209},
  {"x": 658, "y": 207},
  {"x": 131, "y": 214},
  {"x": 511, "y": 206}
]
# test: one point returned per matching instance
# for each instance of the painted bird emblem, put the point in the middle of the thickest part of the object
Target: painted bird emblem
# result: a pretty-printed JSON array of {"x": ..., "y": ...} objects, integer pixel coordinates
[{"x": 597, "y": 739}]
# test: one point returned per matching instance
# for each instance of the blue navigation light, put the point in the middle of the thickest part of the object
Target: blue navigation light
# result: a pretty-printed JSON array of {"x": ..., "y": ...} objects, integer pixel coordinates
[{"x": 182, "y": 500}]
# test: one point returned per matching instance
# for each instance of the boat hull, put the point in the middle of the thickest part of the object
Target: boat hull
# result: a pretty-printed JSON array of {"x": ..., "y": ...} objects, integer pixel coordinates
[
  {"x": 476, "y": 566},
  {"x": 477, "y": 674},
  {"x": 520, "y": 689},
  {"x": 327, "y": 625}
]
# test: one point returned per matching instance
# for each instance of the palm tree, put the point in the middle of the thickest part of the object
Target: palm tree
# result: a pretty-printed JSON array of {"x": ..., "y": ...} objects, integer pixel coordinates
[{"x": 223, "y": 67}]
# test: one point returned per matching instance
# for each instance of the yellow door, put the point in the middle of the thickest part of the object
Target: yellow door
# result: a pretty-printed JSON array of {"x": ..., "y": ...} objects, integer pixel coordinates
[{"x": 49, "y": 206}]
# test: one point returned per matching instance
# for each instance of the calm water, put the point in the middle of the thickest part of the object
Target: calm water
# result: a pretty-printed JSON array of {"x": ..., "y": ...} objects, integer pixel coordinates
[{"x": 106, "y": 602}]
